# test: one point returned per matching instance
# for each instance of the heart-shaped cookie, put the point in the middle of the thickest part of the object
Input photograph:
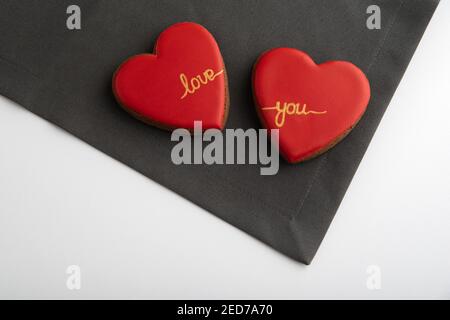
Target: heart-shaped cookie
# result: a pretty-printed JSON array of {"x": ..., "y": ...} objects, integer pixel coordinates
[
  {"x": 182, "y": 82},
  {"x": 313, "y": 106}
]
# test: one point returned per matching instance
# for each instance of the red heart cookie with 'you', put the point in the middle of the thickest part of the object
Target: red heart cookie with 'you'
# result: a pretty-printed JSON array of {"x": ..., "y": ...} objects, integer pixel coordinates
[
  {"x": 313, "y": 106},
  {"x": 182, "y": 82}
]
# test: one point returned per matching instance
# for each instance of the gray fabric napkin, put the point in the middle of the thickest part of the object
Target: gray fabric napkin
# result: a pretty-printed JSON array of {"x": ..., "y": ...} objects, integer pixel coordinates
[{"x": 65, "y": 75}]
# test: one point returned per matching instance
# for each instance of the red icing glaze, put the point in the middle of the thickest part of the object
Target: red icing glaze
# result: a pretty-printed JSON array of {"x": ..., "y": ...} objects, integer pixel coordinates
[
  {"x": 182, "y": 82},
  {"x": 323, "y": 102}
]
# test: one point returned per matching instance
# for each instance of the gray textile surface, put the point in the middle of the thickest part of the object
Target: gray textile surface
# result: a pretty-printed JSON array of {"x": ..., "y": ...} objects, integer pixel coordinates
[{"x": 65, "y": 77}]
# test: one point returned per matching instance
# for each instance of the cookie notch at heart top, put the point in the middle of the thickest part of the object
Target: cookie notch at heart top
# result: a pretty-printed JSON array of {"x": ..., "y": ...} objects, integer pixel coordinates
[
  {"x": 184, "y": 80},
  {"x": 313, "y": 106}
]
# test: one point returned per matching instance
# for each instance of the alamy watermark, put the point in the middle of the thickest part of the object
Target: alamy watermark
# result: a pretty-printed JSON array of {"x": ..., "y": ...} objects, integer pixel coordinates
[
  {"x": 374, "y": 20},
  {"x": 373, "y": 281},
  {"x": 229, "y": 147},
  {"x": 73, "y": 21},
  {"x": 73, "y": 281}
]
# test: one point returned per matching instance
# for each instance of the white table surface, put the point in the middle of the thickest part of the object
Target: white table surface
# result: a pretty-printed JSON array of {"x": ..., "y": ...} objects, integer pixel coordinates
[{"x": 64, "y": 203}]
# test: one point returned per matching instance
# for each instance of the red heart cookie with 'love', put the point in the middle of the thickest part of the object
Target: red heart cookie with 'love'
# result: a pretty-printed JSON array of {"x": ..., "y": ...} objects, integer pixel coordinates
[
  {"x": 313, "y": 106},
  {"x": 182, "y": 82}
]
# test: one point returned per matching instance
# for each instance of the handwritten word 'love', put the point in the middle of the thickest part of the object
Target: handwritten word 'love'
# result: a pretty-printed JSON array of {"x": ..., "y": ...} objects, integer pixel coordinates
[{"x": 196, "y": 82}]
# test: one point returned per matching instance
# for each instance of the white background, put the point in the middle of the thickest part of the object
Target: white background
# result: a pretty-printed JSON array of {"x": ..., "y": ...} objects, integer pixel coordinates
[{"x": 64, "y": 203}]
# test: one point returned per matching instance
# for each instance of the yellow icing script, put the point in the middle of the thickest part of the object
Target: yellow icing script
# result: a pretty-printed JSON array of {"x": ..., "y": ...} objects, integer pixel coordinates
[
  {"x": 290, "y": 109},
  {"x": 196, "y": 82}
]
